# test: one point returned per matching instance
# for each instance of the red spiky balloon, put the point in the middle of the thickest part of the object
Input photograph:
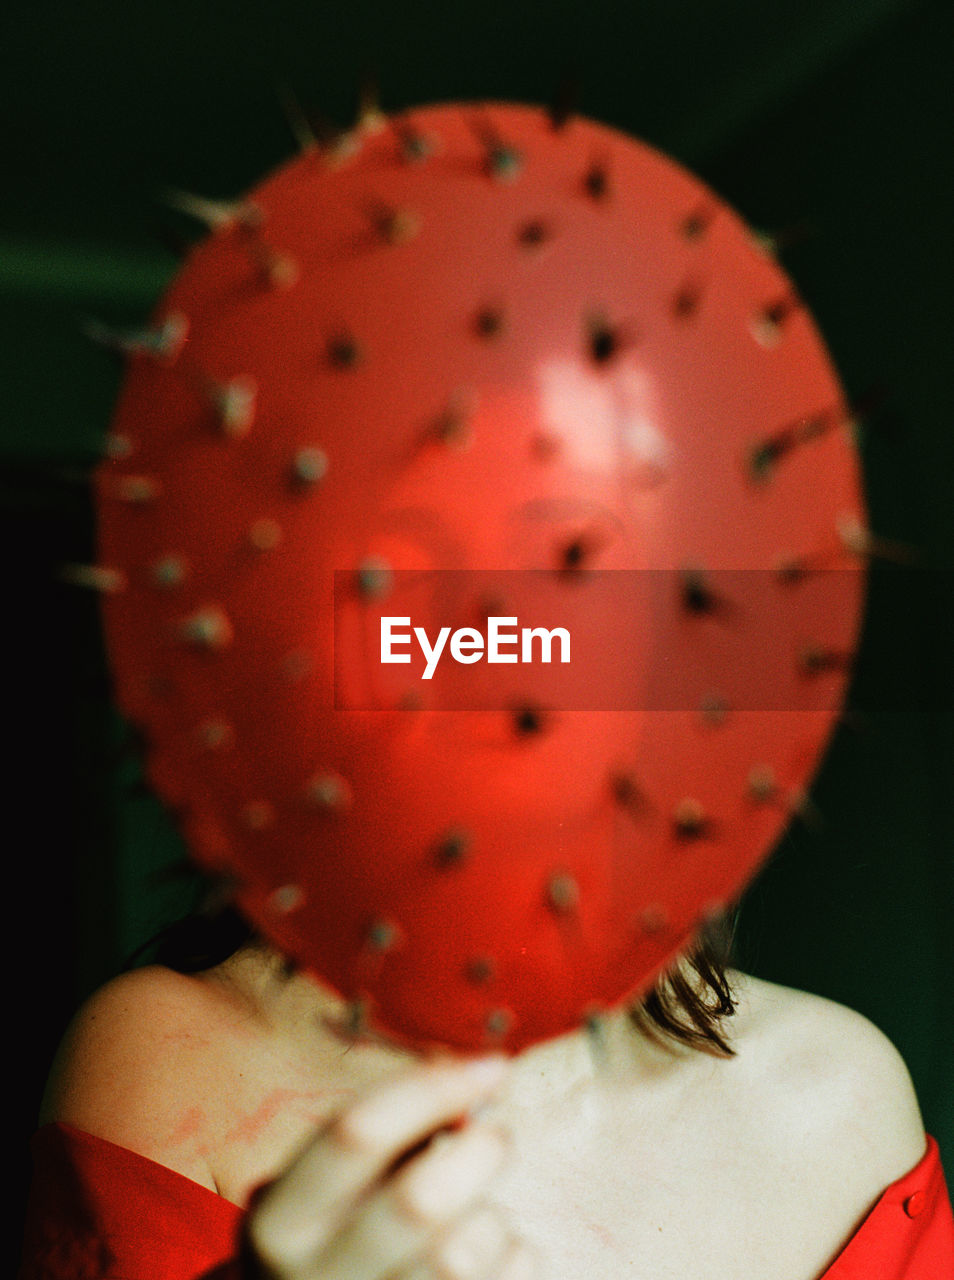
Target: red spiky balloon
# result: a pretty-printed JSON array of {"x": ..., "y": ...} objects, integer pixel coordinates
[{"x": 474, "y": 337}]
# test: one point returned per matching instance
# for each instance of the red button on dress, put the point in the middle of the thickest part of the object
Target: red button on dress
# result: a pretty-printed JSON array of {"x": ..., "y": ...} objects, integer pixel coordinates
[{"x": 914, "y": 1205}]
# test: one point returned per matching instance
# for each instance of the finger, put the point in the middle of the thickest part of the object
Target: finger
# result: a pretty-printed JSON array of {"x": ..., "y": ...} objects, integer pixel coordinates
[
  {"x": 515, "y": 1261},
  {"x": 413, "y": 1209},
  {"x": 519, "y": 1263},
  {"x": 302, "y": 1211},
  {"x": 419, "y": 1102},
  {"x": 473, "y": 1248}
]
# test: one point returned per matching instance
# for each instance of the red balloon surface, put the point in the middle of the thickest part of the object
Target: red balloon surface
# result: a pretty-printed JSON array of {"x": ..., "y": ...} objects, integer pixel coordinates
[{"x": 538, "y": 354}]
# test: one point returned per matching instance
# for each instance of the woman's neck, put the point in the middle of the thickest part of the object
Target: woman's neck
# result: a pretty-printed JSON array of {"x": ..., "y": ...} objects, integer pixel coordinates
[{"x": 609, "y": 1054}]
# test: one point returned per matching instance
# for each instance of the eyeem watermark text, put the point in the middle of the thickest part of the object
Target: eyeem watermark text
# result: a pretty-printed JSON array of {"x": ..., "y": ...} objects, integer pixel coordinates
[{"x": 468, "y": 645}]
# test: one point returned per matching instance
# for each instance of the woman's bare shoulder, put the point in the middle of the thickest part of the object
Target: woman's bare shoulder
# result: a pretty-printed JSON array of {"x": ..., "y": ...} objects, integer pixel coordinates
[
  {"x": 136, "y": 1056},
  {"x": 832, "y": 1080}
]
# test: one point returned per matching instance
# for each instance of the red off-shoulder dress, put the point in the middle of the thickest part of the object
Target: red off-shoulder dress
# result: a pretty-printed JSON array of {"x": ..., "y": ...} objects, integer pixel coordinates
[{"x": 100, "y": 1212}]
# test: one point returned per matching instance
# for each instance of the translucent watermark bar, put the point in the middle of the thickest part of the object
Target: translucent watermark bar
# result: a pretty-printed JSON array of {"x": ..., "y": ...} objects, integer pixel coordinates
[{"x": 785, "y": 639}]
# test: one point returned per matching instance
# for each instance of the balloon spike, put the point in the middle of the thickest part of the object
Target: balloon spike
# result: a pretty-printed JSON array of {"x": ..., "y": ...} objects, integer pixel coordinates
[
  {"x": 490, "y": 323},
  {"x": 314, "y": 131},
  {"x": 214, "y": 214},
  {"x": 394, "y": 225},
  {"x": 774, "y": 243},
  {"x": 697, "y": 593},
  {"x": 714, "y": 710},
  {"x": 768, "y": 323},
  {"x": 234, "y": 402},
  {"x": 791, "y": 570},
  {"x": 497, "y": 1025},
  {"x": 861, "y": 542},
  {"x": 453, "y": 425},
  {"x": 415, "y": 147},
  {"x": 298, "y": 122},
  {"x": 800, "y": 805},
  {"x": 594, "y": 1024},
  {"x": 501, "y": 161},
  {"x": 528, "y": 720},
  {"x": 116, "y": 446},
  {"x": 97, "y": 577},
  {"x": 603, "y": 339},
  {"x": 628, "y": 795},
  {"x": 382, "y": 935},
  {"x": 257, "y": 815},
  {"x": 353, "y": 1027},
  {"x": 170, "y": 571},
  {"x": 370, "y": 116},
  {"x": 563, "y": 893},
  {"x": 817, "y": 659},
  {"x": 274, "y": 268},
  {"x": 216, "y": 734},
  {"x": 563, "y": 104},
  {"x": 374, "y": 578},
  {"x": 309, "y": 466},
  {"x": 855, "y": 719},
  {"x": 286, "y": 899},
  {"x": 207, "y": 628},
  {"x": 344, "y": 351},
  {"x": 768, "y": 452},
  {"x": 264, "y": 534},
  {"x": 577, "y": 555},
  {"x": 453, "y": 848},
  {"x": 653, "y": 919},
  {"x": 690, "y": 820},
  {"x": 333, "y": 138},
  {"x": 685, "y": 303},
  {"x": 534, "y": 234},
  {"x": 137, "y": 490},
  {"x": 329, "y": 792},
  {"x": 596, "y": 181},
  {"x": 867, "y": 405},
  {"x": 696, "y": 223},
  {"x": 479, "y": 971},
  {"x": 699, "y": 597},
  {"x": 762, "y": 783},
  {"x": 162, "y": 341}
]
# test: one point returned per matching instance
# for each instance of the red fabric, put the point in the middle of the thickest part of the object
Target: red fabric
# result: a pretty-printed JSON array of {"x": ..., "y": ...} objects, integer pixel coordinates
[
  {"x": 908, "y": 1235},
  {"x": 100, "y": 1212}
]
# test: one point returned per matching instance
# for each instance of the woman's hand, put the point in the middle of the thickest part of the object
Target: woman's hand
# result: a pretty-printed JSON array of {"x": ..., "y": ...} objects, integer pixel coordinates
[{"x": 360, "y": 1203}]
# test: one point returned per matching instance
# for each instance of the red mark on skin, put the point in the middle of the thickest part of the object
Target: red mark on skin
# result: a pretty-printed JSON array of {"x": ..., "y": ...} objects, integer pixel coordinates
[
  {"x": 312, "y": 1105},
  {"x": 184, "y": 1035},
  {"x": 331, "y": 1101},
  {"x": 190, "y": 1125},
  {"x": 251, "y": 1126},
  {"x": 605, "y": 1237}
]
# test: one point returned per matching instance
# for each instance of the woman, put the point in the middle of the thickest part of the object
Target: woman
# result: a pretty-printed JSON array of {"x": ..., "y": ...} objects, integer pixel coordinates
[
  {"x": 591, "y": 388},
  {"x": 637, "y": 1153}
]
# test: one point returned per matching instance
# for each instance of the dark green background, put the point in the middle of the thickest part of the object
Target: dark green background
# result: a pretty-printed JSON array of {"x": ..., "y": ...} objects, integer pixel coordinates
[{"x": 831, "y": 119}]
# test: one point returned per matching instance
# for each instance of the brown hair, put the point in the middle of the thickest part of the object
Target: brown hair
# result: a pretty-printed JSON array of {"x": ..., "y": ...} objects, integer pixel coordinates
[{"x": 691, "y": 998}]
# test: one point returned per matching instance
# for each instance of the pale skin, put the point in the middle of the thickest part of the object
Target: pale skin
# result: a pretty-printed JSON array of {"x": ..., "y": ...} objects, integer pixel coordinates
[{"x": 644, "y": 1160}]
